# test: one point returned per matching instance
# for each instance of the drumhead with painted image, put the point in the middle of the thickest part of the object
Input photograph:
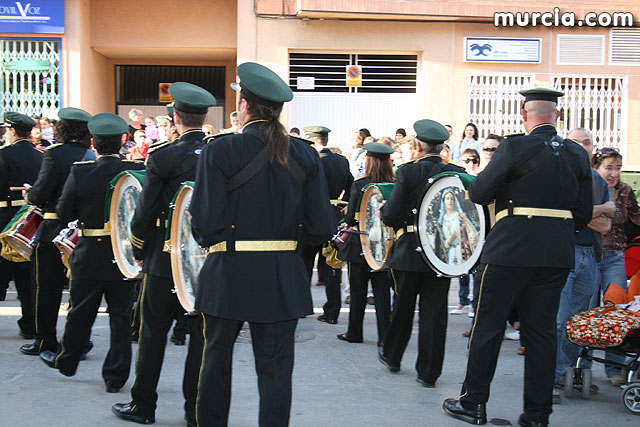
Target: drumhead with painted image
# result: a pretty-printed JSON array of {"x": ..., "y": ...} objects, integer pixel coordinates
[
  {"x": 124, "y": 200},
  {"x": 450, "y": 228},
  {"x": 375, "y": 236}
]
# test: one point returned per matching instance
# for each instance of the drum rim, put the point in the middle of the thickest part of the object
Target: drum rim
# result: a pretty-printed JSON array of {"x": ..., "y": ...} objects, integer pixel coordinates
[
  {"x": 371, "y": 261},
  {"x": 113, "y": 212},
  {"x": 483, "y": 220},
  {"x": 176, "y": 265},
  {"x": 17, "y": 243}
]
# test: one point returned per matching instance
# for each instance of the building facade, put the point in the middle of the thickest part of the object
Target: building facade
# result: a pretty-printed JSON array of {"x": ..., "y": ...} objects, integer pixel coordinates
[{"x": 375, "y": 64}]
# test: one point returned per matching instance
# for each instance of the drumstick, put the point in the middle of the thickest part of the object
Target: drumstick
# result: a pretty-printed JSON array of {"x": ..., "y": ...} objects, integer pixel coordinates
[{"x": 17, "y": 188}]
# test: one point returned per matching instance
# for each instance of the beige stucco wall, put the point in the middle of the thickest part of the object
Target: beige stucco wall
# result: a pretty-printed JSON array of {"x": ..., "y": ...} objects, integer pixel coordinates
[{"x": 444, "y": 74}]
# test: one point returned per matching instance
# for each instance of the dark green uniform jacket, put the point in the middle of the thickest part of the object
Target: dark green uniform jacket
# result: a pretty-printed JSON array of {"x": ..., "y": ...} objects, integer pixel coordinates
[
  {"x": 561, "y": 181},
  {"x": 19, "y": 164},
  {"x": 168, "y": 166},
  {"x": 83, "y": 198},
  {"x": 411, "y": 180},
  {"x": 56, "y": 164},
  {"x": 262, "y": 287}
]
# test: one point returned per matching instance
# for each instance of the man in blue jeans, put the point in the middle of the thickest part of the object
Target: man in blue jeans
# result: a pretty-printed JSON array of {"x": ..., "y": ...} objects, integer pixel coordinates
[{"x": 583, "y": 278}]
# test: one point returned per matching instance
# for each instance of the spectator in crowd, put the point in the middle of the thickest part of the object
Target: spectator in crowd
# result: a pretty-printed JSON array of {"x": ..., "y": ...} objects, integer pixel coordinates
[
  {"x": 294, "y": 132},
  {"x": 135, "y": 122},
  {"x": 46, "y": 129},
  {"x": 445, "y": 153},
  {"x": 470, "y": 160},
  {"x": 150, "y": 129},
  {"x": 208, "y": 130},
  {"x": 235, "y": 123},
  {"x": 166, "y": 129},
  {"x": 400, "y": 133},
  {"x": 387, "y": 141},
  {"x": 489, "y": 146},
  {"x": 449, "y": 129},
  {"x": 139, "y": 150},
  {"x": 357, "y": 157},
  {"x": 36, "y": 139},
  {"x": 469, "y": 140}
]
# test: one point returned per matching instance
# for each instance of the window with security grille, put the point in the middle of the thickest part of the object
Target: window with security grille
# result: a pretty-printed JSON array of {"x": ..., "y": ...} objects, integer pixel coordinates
[
  {"x": 494, "y": 102},
  {"x": 30, "y": 76},
  {"x": 595, "y": 103},
  {"x": 327, "y": 72}
]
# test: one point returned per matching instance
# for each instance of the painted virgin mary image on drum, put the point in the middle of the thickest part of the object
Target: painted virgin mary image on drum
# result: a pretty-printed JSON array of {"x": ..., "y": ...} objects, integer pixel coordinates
[{"x": 453, "y": 226}]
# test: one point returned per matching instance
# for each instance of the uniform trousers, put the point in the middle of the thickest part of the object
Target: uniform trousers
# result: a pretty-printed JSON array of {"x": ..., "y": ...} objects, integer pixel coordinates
[
  {"x": 432, "y": 323},
  {"x": 85, "y": 296},
  {"x": 332, "y": 280},
  {"x": 273, "y": 348},
  {"x": 359, "y": 276},
  {"x": 50, "y": 281},
  {"x": 535, "y": 293},
  {"x": 22, "y": 273},
  {"x": 159, "y": 306}
]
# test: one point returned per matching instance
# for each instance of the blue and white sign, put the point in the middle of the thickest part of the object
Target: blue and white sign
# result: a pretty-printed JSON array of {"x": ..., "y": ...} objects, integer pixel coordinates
[
  {"x": 32, "y": 16},
  {"x": 478, "y": 49}
]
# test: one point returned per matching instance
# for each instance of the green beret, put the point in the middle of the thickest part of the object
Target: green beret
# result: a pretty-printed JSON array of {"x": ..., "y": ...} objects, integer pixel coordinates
[
  {"x": 541, "y": 94},
  {"x": 430, "y": 131},
  {"x": 18, "y": 120},
  {"x": 107, "y": 124},
  {"x": 376, "y": 149},
  {"x": 312, "y": 131},
  {"x": 263, "y": 83},
  {"x": 191, "y": 98},
  {"x": 74, "y": 114}
]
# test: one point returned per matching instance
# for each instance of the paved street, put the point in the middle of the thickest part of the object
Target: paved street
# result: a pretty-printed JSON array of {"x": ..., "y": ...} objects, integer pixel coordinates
[{"x": 335, "y": 383}]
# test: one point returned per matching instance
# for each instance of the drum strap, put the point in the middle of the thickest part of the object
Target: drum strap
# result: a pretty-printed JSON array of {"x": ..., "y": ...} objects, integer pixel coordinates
[{"x": 254, "y": 166}]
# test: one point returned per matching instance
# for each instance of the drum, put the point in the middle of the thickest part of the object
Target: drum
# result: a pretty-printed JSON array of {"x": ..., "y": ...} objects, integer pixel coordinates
[
  {"x": 376, "y": 237},
  {"x": 20, "y": 233},
  {"x": 122, "y": 198},
  {"x": 187, "y": 257},
  {"x": 450, "y": 228},
  {"x": 67, "y": 239}
]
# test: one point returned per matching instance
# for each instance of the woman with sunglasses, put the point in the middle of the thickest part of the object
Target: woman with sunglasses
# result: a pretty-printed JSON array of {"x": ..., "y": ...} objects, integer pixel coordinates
[
  {"x": 470, "y": 160},
  {"x": 608, "y": 163},
  {"x": 489, "y": 146}
]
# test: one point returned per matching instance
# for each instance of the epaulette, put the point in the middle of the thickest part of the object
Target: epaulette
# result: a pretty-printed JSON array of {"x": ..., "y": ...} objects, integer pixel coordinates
[
  {"x": 5, "y": 146},
  {"x": 51, "y": 147},
  {"x": 207, "y": 139},
  {"x": 154, "y": 144},
  {"x": 515, "y": 134},
  {"x": 139, "y": 162},
  {"x": 86, "y": 162},
  {"x": 158, "y": 146},
  {"x": 303, "y": 139}
]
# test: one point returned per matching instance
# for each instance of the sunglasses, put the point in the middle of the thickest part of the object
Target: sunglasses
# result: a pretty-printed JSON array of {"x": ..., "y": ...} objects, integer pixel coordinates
[
  {"x": 490, "y": 149},
  {"x": 474, "y": 161}
]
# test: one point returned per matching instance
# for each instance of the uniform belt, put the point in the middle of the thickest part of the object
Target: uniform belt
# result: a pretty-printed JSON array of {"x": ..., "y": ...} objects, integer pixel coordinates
[
  {"x": 407, "y": 229},
  {"x": 10, "y": 203},
  {"x": 337, "y": 202},
  {"x": 50, "y": 215},
  {"x": 257, "y": 246},
  {"x": 93, "y": 232},
  {"x": 538, "y": 212},
  {"x": 166, "y": 223}
]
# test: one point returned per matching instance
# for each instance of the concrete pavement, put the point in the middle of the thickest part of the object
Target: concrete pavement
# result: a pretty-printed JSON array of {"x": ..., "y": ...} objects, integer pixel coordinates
[{"x": 335, "y": 383}]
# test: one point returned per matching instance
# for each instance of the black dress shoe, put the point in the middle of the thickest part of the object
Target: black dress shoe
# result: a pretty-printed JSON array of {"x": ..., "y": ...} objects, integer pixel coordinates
[
  {"x": 27, "y": 335},
  {"x": 390, "y": 366},
  {"x": 49, "y": 358},
  {"x": 425, "y": 384},
  {"x": 112, "y": 389},
  {"x": 325, "y": 319},
  {"x": 32, "y": 349},
  {"x": 344, "y": 337},
  {"x": 131, "y": 412},
  {"x": 477, "y": 416},
  {"x": 525, "y": 421},
  {"x": 178, "y": 340}
]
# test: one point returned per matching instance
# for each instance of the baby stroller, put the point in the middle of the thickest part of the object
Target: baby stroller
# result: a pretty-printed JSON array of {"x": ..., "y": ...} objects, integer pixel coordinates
[{"x": 612, "y": 329}]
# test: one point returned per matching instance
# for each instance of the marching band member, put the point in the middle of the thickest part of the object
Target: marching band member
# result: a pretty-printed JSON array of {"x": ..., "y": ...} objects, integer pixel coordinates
[{"x": 93, "y": 273}]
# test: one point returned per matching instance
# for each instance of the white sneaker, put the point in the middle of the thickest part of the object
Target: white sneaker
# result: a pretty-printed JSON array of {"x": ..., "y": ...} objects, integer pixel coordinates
[
  {"x": 471, "y": 314},
  {"x": 462, "y": 310},
  {"x": 513, "y": 335}
]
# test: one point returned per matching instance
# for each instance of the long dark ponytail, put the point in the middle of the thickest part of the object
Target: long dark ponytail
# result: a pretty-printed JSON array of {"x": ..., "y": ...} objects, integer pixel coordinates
[{"x": 274, "y": 132}]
